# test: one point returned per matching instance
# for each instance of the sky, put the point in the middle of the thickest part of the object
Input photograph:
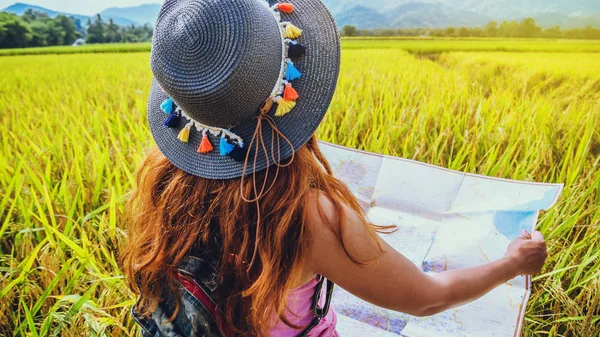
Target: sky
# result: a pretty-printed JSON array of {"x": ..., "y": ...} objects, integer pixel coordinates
[{"x": 86, "y": 7}]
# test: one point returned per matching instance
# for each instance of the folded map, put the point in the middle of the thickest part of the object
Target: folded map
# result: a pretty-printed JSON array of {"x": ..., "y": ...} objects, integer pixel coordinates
[{"x": 445, "y": 220}]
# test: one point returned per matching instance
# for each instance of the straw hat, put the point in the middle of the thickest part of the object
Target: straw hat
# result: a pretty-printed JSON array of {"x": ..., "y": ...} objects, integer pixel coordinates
[{"x": 218, "y": 63}]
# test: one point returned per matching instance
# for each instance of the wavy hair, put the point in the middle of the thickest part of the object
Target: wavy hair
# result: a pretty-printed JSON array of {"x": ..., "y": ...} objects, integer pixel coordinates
[{"x": 173, "y": 212}]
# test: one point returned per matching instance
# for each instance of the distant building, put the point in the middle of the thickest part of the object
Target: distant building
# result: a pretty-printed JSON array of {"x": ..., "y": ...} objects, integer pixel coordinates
[{"x": 78, "y": 42}]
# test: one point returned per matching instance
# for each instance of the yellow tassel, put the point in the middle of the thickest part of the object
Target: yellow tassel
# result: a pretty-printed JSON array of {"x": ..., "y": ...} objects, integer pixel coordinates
[
  {"x": 283, "y": 106},
  {"x": 292, "y": 31},
  {"x": 184, "y": 135}
]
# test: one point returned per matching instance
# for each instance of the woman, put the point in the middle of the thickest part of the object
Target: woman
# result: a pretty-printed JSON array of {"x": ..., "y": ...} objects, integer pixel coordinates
[{"x": 237, "y": 218}]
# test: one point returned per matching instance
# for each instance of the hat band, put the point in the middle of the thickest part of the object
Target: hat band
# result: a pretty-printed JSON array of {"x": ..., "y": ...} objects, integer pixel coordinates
[
  {"x": 283, "y": 93},
  {"x": 215, "y": 131}
]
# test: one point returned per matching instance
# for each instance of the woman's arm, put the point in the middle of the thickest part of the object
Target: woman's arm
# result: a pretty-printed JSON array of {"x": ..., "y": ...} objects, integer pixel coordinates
[
  {"x": 392, "y": 281},
  {"x": 524, "y": 256}
]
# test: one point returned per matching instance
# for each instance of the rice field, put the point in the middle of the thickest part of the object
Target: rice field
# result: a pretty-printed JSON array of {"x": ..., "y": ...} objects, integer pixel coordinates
[
  {"x": 413, "y": 45},
  {"x": 73, "y": 131}
]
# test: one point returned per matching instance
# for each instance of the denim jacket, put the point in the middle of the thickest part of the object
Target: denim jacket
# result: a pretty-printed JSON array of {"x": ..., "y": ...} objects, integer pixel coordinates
[{"x": 193, "y": 319}]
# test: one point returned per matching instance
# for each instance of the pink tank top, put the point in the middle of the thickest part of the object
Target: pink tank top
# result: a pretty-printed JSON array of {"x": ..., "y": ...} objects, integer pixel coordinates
[{"x": 300, "y": 313}]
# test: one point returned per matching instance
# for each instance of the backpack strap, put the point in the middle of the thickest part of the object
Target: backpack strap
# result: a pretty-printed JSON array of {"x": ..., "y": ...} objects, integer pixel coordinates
[
  {"x": 199, "y": 293},
  {"x": 319, "y": 312}
]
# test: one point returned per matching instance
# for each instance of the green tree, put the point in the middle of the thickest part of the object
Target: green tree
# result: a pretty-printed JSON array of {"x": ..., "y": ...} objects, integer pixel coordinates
[
  {"x": 348, "y": 30},
  {"x": 437, "y": 32},
  {"x": 463, "y": 32},
  {"x": 528, "y": 28},
  {"x": 30, "y": 15},
  {"x": 36, "y": 29},
  {"x": 509, "y": 29},
  {"x": 95, "y": 31},
  {"x": 39, "y": 34},
  {"x": 69, "y": 29},
  {"x": 112, "y": 32},
  {"x": 14, "y": 32},
  {"x": 491, "y": 29},
  {"x": 552, "y": 32},
  {"x": 590, "y": 33},
  {"x": 477, "y": 32},
  {"x": 450, "y": 31},
  {"x": 56, "y": 34}
]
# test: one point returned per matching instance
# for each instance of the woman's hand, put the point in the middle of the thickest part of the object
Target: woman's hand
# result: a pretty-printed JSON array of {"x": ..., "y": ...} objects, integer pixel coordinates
[{"x": 528, "y": 253}]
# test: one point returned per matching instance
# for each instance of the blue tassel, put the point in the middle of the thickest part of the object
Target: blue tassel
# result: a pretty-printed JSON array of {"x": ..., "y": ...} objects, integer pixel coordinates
[
  {"x": 167, "y": 106},
  {"x": 291, "y": 73},
  {"x": 172, "y": 120},
  {"x": 225, "y": 147}
]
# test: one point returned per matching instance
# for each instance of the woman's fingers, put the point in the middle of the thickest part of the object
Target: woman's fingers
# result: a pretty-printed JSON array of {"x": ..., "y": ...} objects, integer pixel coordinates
[{"x": 525, "y": 234}]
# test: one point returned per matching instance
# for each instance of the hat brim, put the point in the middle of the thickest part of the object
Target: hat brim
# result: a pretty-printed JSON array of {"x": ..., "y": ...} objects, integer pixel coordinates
[{"x": 320, "y": 70}]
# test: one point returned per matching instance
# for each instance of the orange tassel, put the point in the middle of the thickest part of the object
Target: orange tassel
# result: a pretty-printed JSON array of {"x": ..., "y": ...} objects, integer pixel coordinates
[
  {"x": 289, "y": 93},
  {"x": 205, "y": 145},
  {"x": 285, "y": 7}
]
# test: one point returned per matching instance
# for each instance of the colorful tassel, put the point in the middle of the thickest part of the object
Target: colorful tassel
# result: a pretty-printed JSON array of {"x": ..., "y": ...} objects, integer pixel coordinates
[
  {"x": 296, "y": 51},
  {"x": 283, "y": 106},
  {"x": 238, "y": 153},
  {"x": 289, "y": 93},
  {"x": 205, "y": 145},
  {"x": 292, "y": 32},
  {"x": 225, "y": 147},
  {"x": 172, "y": 120},
  {"x": 291, "y": 73},
  {"x": 184, "y": 134},
  {"x": 167, "y": 106},
  {"x": 285, "y": 7}
]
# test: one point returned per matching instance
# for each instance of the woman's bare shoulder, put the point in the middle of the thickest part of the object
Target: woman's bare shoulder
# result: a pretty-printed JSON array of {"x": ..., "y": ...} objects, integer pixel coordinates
[{"x": 338, "y": 228}]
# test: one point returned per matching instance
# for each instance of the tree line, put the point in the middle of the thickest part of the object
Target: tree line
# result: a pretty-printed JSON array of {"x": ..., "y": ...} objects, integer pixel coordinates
[
  {"x": 527, "y": 28},
  {"x": 38, "y": 29}
]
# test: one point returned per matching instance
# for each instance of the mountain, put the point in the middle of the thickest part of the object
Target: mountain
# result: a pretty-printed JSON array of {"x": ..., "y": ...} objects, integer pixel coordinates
[
  {"x": 420, "y": 14},
  {"x": 368, "y": 14},
  {"x": 20, "y": 8},
  {"x": 444, "y": 13},
  {"x": 362, "y": 17},
  {"x": 141, "y": 14},
  {"x": 575, "y": 20}
]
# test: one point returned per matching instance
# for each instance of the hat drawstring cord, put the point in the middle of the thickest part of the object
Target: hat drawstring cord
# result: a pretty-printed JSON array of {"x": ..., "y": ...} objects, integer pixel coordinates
[{"x": 256, "y": 142}]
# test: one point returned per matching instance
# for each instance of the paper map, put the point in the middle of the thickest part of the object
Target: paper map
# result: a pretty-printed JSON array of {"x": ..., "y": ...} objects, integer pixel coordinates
[{"x": 446, "y": 220}]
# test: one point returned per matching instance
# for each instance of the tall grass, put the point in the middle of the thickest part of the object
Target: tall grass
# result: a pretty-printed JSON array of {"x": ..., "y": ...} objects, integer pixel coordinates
[{"x": 73, "y": 131}]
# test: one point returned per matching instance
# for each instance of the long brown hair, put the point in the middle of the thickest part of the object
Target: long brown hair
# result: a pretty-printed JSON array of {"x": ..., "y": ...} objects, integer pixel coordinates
[{"x": 171, "y": 214}]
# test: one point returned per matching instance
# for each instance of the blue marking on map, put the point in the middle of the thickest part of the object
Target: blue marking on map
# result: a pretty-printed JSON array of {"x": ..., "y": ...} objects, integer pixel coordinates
[
  {"x": 538, "y": 204},
  {"x": 510, "y": 223}
]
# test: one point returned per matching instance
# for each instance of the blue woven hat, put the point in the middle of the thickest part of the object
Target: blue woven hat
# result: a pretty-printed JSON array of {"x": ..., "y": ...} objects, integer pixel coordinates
[{"x": 222, "y": 67}]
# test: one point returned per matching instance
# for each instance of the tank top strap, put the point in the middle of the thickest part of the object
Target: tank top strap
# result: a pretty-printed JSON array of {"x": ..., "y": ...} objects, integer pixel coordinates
[{"x": 319, "y": 312}]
